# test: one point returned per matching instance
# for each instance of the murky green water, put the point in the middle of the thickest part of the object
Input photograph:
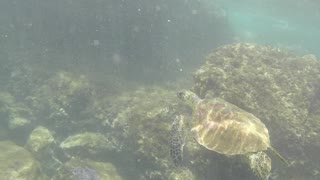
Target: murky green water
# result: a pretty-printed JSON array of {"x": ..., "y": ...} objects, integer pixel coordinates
[{"x": 88, "y": 89}]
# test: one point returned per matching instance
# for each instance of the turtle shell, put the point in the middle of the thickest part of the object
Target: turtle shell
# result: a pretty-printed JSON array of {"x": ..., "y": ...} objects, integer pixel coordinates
[{"x": 225, "y": 128}]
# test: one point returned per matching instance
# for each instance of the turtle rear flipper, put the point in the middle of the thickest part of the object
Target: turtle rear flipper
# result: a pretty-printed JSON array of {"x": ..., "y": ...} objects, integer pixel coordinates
[{"x": 177, "y": 140}]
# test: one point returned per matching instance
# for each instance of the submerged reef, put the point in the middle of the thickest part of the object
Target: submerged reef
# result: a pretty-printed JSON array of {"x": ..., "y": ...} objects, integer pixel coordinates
[
  {"x": 16, "y": 117},
  {"x": 137, "y": 122},
  {"x": 17, "y": 163},
  {"x": 278, "y": 87},
  {"x": 79, "y": 129}
]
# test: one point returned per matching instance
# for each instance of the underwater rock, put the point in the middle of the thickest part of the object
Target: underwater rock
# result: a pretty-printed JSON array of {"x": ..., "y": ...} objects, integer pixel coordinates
[
  {"x": 267, "y": 81},
  {"x": 17, "y": 118},
  {"x": 25, "y": 79},
  {"x": 181, "y": 174},
  {"x": 17, "y": 115},
  {"x": 17, "y": 122},
  {"x": 67, "y": 91},
  {"x": 86, "y": 143},
  {"x": 43, "y": 147},
  {"x": 77, "y": 169},
  {"x": 278, "y": 87},
  {"x": 61, "y": 102},
  {"x": 17, "y": 163},
  {"x": 20, "y": 123},
  {"x": 84, "y": 173},
  {"x": 39, "y": 139},
  {"x": 139, "y": 122}
]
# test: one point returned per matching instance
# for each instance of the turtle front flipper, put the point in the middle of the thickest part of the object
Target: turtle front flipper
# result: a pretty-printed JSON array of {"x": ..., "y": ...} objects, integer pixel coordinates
[
  {"x": 259, "y": 163},
  {"x": 177, "y": 140}
]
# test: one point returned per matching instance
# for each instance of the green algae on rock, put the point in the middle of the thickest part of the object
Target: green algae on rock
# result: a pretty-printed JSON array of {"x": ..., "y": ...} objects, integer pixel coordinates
[
  {"x": 277, "y": 86},
  {"x": 65, "y": 96},
  {"x": 280, "y": 88},
  {"x": 181, "y": 174},
  {"x": 17, "y": 122},
  {"x": 87, "y": 168},
  {"x": 139, "y": 121},
  {"x": 39, "y": 139},
  {"x": 260, "y": 79},
  {"x": 17, "y": 163},
  {"x": 44, "y": 148},
  {"x": 16, "y": 114},
  {"x": 87, "y": 143}
]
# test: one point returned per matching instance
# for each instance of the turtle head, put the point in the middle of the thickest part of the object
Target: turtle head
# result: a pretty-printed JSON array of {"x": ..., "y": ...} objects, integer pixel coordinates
[{"x": 189, "y": 97}]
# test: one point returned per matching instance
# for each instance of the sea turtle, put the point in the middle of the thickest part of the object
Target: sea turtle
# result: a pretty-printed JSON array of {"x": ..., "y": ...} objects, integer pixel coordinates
[{"x": 224, "y": 128}]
